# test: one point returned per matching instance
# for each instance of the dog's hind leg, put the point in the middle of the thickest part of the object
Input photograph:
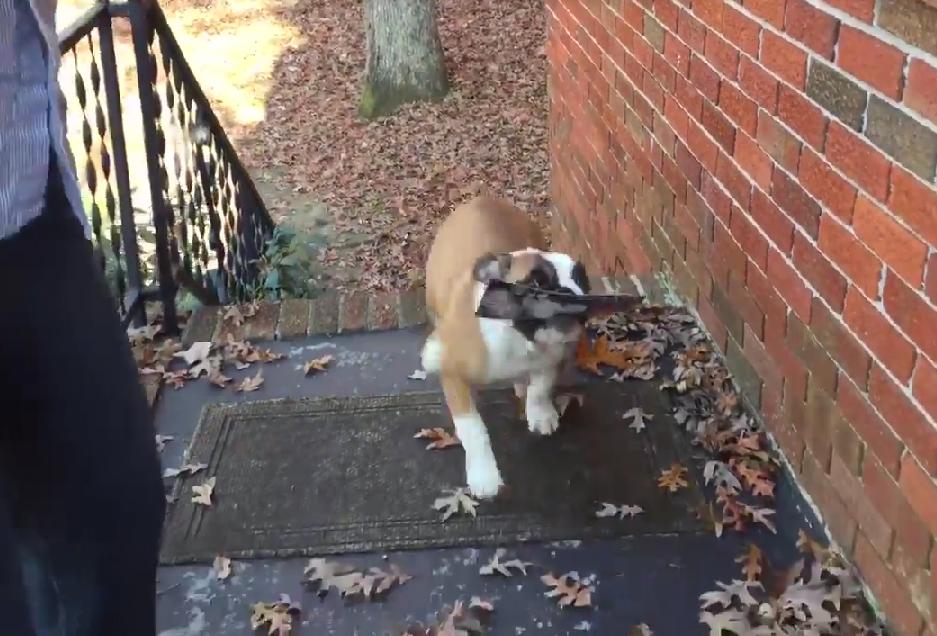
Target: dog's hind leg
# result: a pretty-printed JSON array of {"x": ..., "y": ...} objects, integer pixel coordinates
[{"x": 481, "y": 468}]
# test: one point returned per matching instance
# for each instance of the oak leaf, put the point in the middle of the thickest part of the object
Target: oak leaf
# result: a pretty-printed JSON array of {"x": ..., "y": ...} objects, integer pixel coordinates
[
  {"x": 176, "y": 379},
  {"x": 418, "y": 374},
  {"x": 496, "y": 565},
  {"x": 673, "y": 479},
  {"x": 638, "y": 418},
  {"x": 318, "y": 364},
  {"x": 276, "y": 617},
  {"x": 751, "y": 561},
  {"x": 568, "y": 590},
  {"x": 439, "y": 438},
  {"x": 198, "y": 352},
  {"x": 250, "y": 384},
  {"x": 457, "y": 500},
  {"x": 219, "y": 379},
  {"x": 162, "y": 440},
  {"x": 590, "y": 355},
  {"x": 203, "y": 492},
  {"x": 625, "y": 510},
  {"x": 187, "y": 469}
]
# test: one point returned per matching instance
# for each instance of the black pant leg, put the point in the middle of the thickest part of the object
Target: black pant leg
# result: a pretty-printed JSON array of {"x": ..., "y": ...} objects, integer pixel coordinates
[{"x": 79, "y": 456}]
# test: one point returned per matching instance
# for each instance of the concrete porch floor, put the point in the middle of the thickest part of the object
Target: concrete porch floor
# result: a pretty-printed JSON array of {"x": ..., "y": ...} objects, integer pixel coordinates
[{"x": 651, "y": 579}]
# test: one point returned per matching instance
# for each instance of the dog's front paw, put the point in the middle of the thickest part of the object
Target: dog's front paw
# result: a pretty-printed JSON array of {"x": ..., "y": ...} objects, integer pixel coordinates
[
  {"x": 542, "y": 417},
  {"x": 484, "y": 478}
]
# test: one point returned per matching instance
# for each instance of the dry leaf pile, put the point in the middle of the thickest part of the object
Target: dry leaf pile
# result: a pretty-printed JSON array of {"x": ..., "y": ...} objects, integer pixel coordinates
[
  {"x": 276, "y": 618},
  {"x": 323, "y": 575},
  {"x": 818, "y": 595}
]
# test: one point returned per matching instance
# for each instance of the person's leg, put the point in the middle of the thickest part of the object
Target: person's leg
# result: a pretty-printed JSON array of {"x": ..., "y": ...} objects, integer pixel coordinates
[{"x": 88, "y": 498}]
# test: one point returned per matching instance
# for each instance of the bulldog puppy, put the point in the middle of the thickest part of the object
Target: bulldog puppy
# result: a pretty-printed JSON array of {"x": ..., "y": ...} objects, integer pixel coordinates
[{"x": 485, "y": 239}]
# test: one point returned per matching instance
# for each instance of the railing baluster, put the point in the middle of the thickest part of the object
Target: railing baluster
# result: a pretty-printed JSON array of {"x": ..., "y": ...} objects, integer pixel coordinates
[{"x": 128, "y": 227}]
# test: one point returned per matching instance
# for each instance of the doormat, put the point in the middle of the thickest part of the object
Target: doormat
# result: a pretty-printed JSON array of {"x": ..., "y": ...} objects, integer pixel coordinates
[{"x": 336, "y": 475}]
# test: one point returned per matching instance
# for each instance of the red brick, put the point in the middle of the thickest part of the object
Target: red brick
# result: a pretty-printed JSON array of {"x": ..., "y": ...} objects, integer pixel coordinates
[
  {"x": 914, "y": 202},
  {"x": 702, "y": 147},
  {"x": 667, "y": 12},
  {"x": 719, "y": 126},
  {"x": 839, "y": 343},
  {"x": 677, "y": 53},
  {"x": 774, "y": 223},
  {"x": 753, "y": 160},
  {"x": 742, "y": 31},
  {"x": 768, "y": 301},
  {"x": 795, "y": 201},
  {"x": 718, "y": 200},
  {"x": 758, "y": 84},
  {"x": 738, "y": 107},
  {"x": 712, "y": 322},
  {"x": 920, "y": 490},
  {"x": 890, "y": 592},
  {"x": 788, "y": 61},
  {"x": 704, "y": 78},
  {"x": 815, "y": 28},
  {"x": 925, "y": 385},
  {"x": 688, "y": 164},
  {"x": 689, "y": 97},
  {"x": 722, "y": 55},
  {"x": 904, "y": 417},
  {"x": 921, "y": 90},
  {"x": 871, "y": 522},
  {"x": 734, "y": 180},
  {"x": 676, "y": 116},
  {"x": 770, "y": 10},
  {"x": 789, "y": 284},
  {"x": 840, "y": 522},
  {"x": 823, "y": 371},
  {"x": 881, "y": 440},
  {"x": 879, "y": 335},
  {"x": 862, "y": 9},
  {"x": 901, "y": 250},
  {"x": 858, "y": 160},
  {"x": 691, "y": 31},
  {"x": 709, "y": 11},
  {"x": 778, "y": 142},
  {"x": 912, "y": 535},
  {"x": 829, "y": 283},
  {"x": 802, "y": 116},
  {"x": 748, "y": 236},
  {"x": 930, "y": 279},
  {"x": 634, "y": 15},
  {"x": 871, "y": 60},
  {"x": 820, "y": 180},
  {"x": 861, "y": 266},
  {"x": 912, "y": 313}
]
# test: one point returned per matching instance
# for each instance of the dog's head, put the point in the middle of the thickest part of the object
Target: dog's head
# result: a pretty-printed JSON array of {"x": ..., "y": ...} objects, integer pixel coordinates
[{"x": 553, "y": 271}]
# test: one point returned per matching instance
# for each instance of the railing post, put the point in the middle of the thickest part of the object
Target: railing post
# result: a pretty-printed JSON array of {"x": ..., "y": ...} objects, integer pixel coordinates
[
  {"x": 140, "y": 30},
  {"x": 115, "y": 118}
]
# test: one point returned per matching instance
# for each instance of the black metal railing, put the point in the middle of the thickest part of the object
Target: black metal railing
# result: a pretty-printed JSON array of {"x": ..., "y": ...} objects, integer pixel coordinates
[{"x": 171, "y": 206}]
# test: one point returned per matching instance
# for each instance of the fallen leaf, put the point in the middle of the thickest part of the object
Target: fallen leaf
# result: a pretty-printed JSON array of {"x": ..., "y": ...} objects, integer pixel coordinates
[
  {"x": 250, "y": 384},
  {"x": 457, "y": 500},
  {"x": 323, "y": 575},
  {"x": 673, "y": 479},
  {"x": 622, "y": 511},
  {"x": 318, "y": 364},
  {"x": 140, "y": 335},
  {"x": 198, "y": 352},
  {"x": 440, "y": 438},
  {"x": 477, "y": 603},
  {"x": 496, "y": 565},
  {"x": 161, "y": 441},
  {"x": 568, "y": 590},
  {"x": 808, "y": 545},
  {"x": 751, "y": 561},
  {"x": 419, "y": 374},
  {"x": 203, "y": 492},
  {"x": 638, "y": 417},
  {"x": 218, "y": 378},
  {"x": 276, "y": 617},
  {"x": 187, "y": 469},
  {"x": 222, "y": 567},
  {"x": 641, "y": 629},
  {"x": 590, "y": 355},
  {"x": 176, "y": 379}
]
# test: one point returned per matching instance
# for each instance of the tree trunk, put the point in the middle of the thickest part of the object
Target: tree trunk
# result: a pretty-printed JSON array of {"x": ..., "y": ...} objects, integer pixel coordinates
[{"x": 405, "y": 58}]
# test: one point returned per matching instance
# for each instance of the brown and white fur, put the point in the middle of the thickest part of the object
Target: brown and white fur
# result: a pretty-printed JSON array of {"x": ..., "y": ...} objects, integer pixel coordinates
[{"x": 483, "y": 239}]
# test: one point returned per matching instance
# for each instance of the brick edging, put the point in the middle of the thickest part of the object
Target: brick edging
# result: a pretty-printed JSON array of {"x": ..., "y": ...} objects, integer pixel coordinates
[{"x": 329, "y": 314}]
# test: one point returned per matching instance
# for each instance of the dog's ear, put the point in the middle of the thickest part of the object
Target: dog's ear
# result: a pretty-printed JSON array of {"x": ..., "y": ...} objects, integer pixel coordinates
[{"x": 492, "y": 267}]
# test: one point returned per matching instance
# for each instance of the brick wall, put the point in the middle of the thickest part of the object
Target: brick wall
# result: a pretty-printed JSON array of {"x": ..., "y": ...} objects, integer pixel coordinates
[{"x": 776, "y": 161}]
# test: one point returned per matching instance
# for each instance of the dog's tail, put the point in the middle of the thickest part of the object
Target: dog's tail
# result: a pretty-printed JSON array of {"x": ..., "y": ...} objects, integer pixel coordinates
[{"x": 431, "y": 357}]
